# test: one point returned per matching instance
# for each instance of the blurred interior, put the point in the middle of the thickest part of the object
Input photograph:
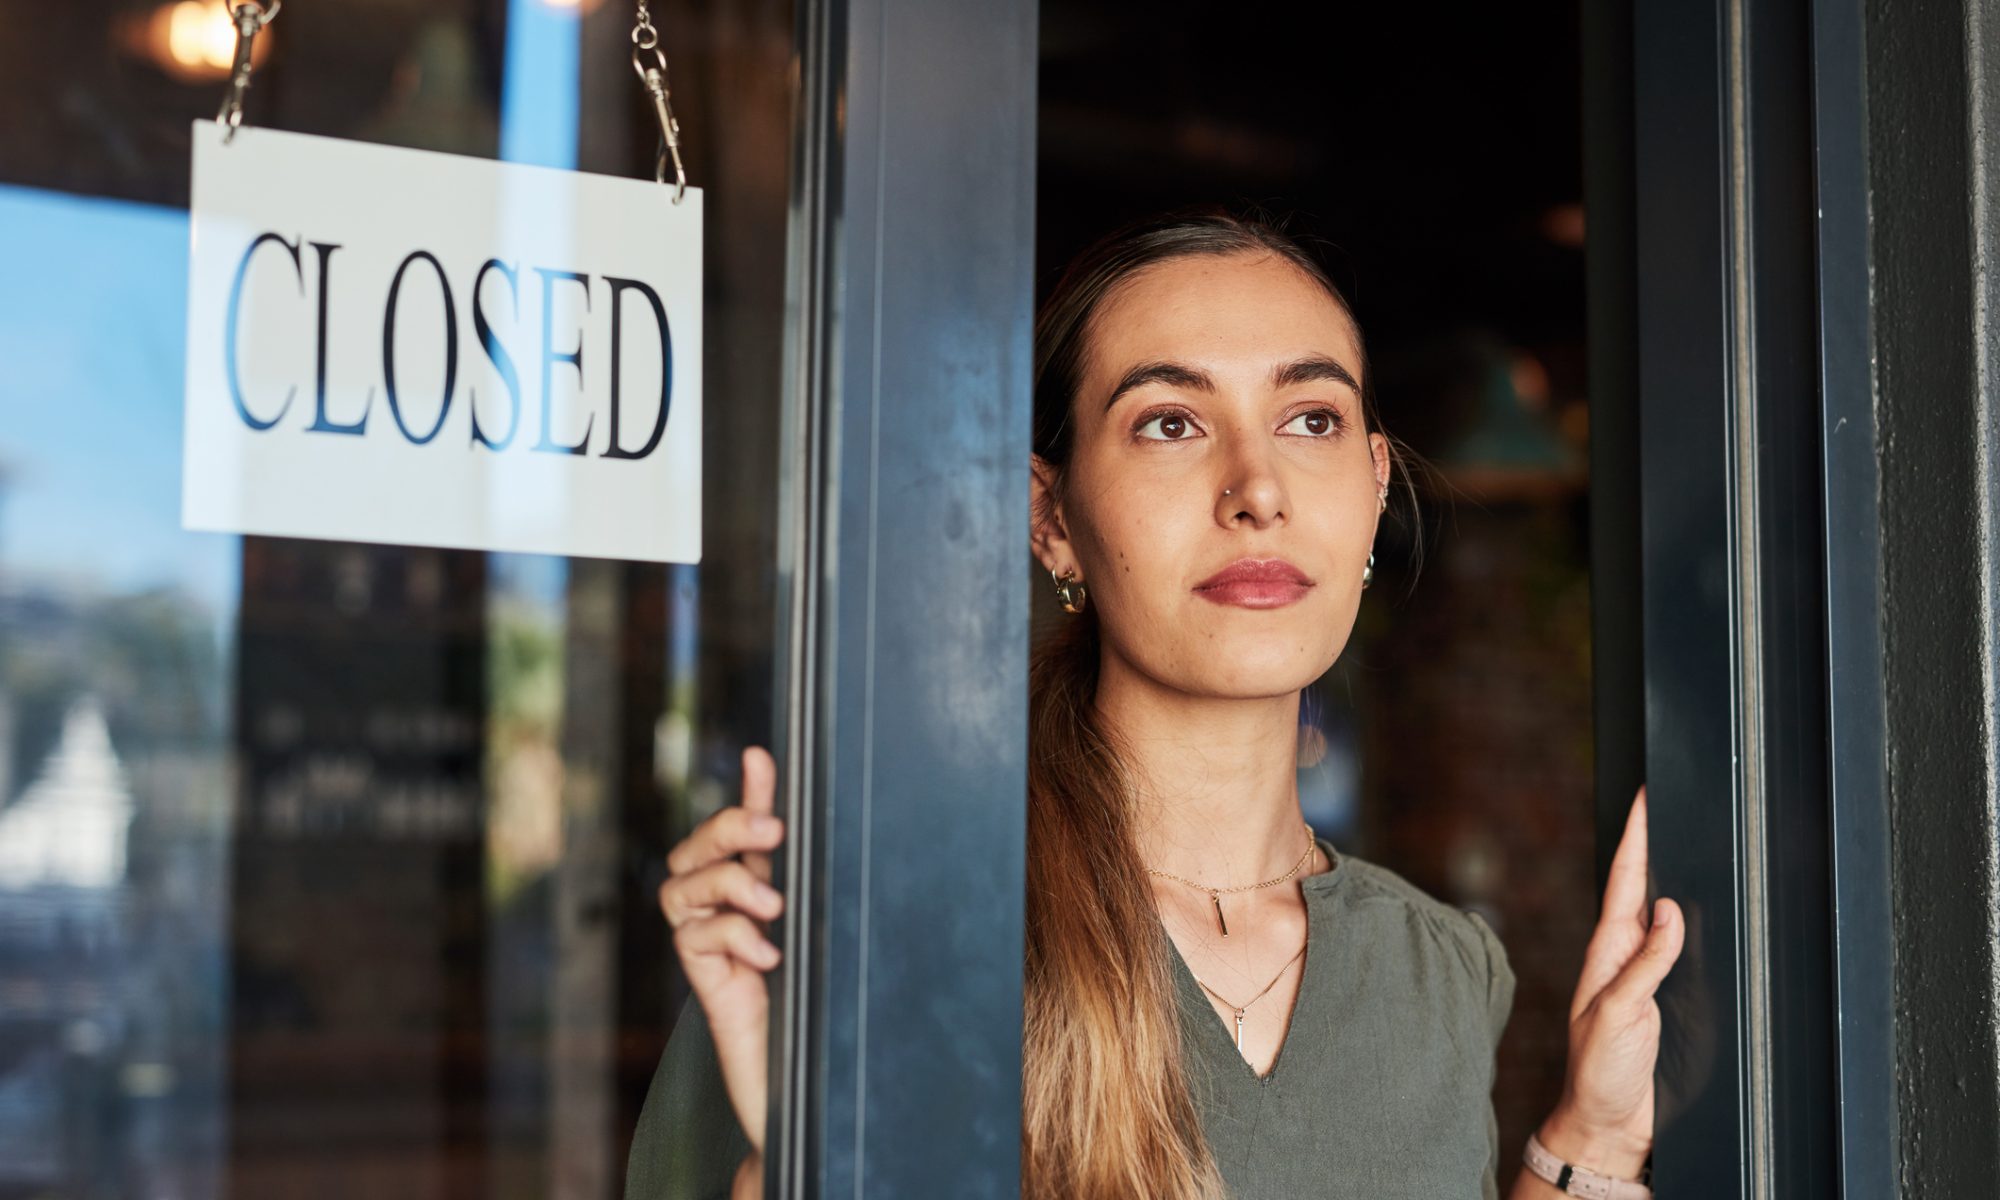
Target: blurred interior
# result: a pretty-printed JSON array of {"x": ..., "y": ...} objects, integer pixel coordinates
[{"x": 328, "y": 869}]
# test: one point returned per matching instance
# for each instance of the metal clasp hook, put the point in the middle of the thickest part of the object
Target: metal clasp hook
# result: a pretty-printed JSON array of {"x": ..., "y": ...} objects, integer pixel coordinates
[
  {"x": 645, "y": 41},
  {"x": 250, "y": 17},
  {"x": 655, "y": 79}
]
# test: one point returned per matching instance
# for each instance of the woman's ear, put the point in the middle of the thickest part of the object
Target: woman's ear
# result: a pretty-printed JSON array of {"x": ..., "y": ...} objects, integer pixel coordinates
[
  {"x": 1378, "y": 446},
  {"x": 1047, "y": 534}
]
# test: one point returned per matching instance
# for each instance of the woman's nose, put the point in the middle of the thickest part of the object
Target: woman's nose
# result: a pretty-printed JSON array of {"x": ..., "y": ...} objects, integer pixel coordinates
[{"x": 1251, "y": 491}]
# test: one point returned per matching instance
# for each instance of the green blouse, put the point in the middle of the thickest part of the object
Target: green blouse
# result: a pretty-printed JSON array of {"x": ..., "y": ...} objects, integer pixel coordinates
[{"x": 1382, "y": 1088}]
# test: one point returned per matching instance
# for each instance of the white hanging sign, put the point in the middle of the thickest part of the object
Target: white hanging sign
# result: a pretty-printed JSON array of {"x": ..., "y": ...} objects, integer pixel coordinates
[{"x": 390, "y": 345}]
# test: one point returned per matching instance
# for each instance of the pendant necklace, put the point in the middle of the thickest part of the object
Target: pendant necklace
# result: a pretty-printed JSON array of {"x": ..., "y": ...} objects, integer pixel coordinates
[
  {"x": 1238, "y": 1009},
  {"x": 1215, "y": 894}
]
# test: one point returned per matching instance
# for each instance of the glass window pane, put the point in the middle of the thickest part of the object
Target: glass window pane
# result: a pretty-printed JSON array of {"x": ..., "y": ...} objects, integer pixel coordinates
[{"x": 329, "y": 868}]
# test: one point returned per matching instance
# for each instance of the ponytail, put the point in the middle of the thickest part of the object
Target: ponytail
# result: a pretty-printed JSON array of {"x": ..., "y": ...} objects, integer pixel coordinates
[{"x": 1107, "y": 1110}]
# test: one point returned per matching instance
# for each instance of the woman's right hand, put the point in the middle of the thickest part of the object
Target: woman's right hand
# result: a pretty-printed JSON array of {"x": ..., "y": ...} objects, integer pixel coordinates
[{"x": 719, "y": 908}]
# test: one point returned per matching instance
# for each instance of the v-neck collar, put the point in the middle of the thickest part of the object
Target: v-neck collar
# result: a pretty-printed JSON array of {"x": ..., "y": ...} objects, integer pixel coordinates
[{"x": 1316, "y": 890}]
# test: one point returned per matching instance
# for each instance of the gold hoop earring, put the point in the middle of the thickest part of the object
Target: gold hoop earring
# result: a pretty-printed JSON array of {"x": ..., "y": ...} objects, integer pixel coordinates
[
  {"x": 1070, "y": 591},
  {"x": 1368, "y": 572}
]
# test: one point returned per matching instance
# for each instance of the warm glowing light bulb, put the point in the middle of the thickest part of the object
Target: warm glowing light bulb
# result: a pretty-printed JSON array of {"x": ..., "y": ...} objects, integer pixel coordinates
[
  {"x": 184, "y": 32},
  {"x": 201, "y": 34},
  {"x": 194, "y": 41},
  {"x": 219, "y": 37}
]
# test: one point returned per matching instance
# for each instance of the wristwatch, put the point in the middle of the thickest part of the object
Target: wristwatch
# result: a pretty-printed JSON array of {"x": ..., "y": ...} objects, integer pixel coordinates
[{"x": 1576, "y": 1181}]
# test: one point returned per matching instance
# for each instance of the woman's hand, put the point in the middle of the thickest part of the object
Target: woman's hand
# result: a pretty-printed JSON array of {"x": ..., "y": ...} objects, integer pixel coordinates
[
  {"x": 1605, "y": 1119},
  {"x": 719, "y": 908}
]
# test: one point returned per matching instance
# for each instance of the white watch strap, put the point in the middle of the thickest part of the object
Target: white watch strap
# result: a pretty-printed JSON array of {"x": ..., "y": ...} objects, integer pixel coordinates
[{"x": 1576, "y": 1181}]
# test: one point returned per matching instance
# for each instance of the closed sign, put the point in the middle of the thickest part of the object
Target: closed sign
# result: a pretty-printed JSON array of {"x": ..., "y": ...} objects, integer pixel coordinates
[{"x": 389, "y": 345}]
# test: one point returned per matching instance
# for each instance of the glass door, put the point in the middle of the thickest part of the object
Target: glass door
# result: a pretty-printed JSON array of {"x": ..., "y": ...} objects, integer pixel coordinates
[{"x": 328, "y": 868}]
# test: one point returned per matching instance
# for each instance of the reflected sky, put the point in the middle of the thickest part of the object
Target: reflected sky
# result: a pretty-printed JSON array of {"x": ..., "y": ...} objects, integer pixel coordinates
[
  {"x": 539, "y": 106},
  {"x": 92, "y": 323},
  {"x": 539, "y": 98}
]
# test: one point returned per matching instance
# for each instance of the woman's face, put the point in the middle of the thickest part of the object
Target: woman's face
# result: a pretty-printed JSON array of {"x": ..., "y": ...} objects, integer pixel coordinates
[{"x": 1218, "y": 425}]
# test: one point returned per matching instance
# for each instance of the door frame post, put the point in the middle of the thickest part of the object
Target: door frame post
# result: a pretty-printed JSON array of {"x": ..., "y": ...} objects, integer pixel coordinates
[{"x": 896, "y": 1017}]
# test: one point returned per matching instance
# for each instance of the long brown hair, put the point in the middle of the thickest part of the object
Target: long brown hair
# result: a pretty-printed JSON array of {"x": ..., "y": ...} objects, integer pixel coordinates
[{"x": 1107, "y": 1110}]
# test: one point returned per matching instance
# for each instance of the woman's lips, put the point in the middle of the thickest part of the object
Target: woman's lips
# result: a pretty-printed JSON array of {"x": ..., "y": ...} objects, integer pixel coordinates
[{"x": 1255, "y": 583}]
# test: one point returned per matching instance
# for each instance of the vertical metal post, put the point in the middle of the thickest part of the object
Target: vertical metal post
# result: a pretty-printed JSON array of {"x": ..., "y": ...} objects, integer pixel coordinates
[
  {"x": 1733, "y": 593},
  {"x": 896, "y": 1068},
  {"x": 1864, "y": 951}
]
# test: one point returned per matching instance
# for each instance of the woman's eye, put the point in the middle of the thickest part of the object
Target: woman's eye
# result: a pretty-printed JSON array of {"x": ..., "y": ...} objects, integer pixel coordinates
[
  {"x": 1172, "y": 427},
  {"x": 1318, "y": 423}
]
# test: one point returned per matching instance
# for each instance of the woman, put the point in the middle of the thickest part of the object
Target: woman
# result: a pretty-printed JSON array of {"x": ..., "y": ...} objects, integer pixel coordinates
[{"x": 1208, "y": 475}]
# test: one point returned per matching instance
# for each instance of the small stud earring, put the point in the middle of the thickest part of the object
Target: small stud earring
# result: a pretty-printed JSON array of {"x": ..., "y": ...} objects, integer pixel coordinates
[
  {"x": 1368, "y": 572},
  {"x": 1069, "y": 591}
]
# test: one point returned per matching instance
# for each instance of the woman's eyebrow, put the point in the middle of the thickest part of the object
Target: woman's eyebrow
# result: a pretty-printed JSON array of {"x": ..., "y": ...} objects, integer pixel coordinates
[
  {"x": 1172, "y": 374},
  {"x": 1313, "y": 370}
]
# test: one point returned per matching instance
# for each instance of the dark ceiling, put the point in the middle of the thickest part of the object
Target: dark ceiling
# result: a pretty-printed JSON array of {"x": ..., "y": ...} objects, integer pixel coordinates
[{"x": 1429, "y": 143}]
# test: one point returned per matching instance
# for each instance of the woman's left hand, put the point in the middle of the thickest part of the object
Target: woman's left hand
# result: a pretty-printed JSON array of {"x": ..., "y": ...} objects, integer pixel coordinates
[{"x": 1605, "y": 1120}]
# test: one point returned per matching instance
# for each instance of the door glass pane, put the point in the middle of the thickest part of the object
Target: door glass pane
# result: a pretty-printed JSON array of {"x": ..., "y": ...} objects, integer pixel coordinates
[{"x": 329, "y": 868}]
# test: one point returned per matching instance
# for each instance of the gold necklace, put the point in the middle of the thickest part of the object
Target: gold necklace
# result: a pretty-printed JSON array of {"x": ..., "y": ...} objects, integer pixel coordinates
[
  {"x": 1215, "y": 894},
  {"x": 1238, "y": 1008}
]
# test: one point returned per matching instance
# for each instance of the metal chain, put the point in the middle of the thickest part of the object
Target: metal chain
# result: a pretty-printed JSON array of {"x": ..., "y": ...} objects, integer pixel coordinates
[
  {"x": 1239, "y": 1008},
  {"x": 653, "y": 75},
  {"x": 1248, "y": 887},
  {"x": 249, "y": 17}
]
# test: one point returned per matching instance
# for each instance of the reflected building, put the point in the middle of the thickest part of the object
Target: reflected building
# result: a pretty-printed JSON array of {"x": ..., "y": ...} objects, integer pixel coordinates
[{"x": 63, "y": 961}]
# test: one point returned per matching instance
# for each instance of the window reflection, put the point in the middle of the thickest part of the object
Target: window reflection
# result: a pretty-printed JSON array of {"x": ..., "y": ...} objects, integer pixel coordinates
[
  {"x": 115, "y": 636},
  {"x": 324, "y": 867}
]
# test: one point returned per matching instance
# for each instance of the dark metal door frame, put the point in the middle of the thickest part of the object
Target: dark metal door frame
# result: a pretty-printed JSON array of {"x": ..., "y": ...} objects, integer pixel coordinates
[
  {"x": 1814, "y": 213},
  {"x": 1732, "y": 541},
  {"x": 896, "y": 1053},
  {"x": 1857, "y": 718},
  {"x": 1723, "y": 312}
]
